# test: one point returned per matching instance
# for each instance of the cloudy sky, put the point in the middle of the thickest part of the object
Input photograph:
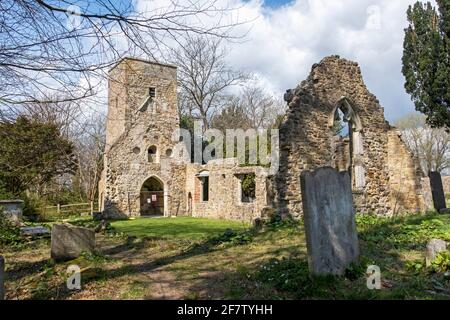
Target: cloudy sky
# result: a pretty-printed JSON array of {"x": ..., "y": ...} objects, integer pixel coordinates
[{"x": 287, "y": 37}]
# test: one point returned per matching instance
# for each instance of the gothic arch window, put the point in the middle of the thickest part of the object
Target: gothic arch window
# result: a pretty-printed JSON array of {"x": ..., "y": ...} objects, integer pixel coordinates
[{"x": 348, "y": 142}]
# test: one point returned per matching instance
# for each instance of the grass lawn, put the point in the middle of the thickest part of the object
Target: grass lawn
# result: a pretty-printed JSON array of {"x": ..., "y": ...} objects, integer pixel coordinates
[
  {"x": 176, "y": 228},
  {"x": 187, "y": 258}
]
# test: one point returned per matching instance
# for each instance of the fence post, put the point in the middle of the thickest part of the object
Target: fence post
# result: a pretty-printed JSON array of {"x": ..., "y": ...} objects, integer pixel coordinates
[
  {"x": 58, "y": 210},
  {"x": 92, "y": 208}
]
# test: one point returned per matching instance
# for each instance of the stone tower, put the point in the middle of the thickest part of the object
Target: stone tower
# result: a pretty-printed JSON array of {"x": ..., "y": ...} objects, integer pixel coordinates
[{"x": 138, "y": 175}]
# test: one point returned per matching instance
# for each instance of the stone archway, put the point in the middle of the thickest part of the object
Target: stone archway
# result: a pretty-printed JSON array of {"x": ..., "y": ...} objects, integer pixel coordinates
[{"x": 152, "y": 197}]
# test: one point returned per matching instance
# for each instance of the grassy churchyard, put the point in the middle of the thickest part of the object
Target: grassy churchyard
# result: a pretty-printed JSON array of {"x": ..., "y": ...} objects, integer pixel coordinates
[{"x": 188, "y": 258}]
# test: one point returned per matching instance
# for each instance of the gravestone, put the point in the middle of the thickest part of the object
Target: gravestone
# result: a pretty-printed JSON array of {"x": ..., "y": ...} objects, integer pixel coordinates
[
  {"x": 12, "y": 209},
  {"x": 330, "y": 225},
  {"x": 434, "y": 247},
  {"x": 2, "y": 278},
  {"x": 437, "y": 190},
  {"x": 68, "y": 242}
]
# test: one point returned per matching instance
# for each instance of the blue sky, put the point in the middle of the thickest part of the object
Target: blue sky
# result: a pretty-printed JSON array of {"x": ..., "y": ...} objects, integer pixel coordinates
[{"x": 276, "y": 3}]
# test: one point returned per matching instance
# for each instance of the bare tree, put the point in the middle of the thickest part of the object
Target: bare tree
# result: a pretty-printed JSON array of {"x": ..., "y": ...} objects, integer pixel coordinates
[
  {"x": 232, "y": 116},
  {"x": 64, "y": 114},
  {"x": 204, "y": 76},
  {"x": 89, "y": 151},
  {"x": 430, "y": 146},
  {"x": 261, "y": 107},
  {"x": 53, "y": 51}
]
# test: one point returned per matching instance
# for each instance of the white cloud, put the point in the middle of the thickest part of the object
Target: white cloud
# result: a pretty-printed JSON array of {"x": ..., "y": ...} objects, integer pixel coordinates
[{"x": 284, "y": 42}]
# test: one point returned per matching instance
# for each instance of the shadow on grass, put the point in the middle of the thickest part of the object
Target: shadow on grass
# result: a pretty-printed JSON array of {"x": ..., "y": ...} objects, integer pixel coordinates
[
  {"x": 382, "y": 242},
  {"x": 24, "y": 269},
  {"x": 97, "y": 274}
]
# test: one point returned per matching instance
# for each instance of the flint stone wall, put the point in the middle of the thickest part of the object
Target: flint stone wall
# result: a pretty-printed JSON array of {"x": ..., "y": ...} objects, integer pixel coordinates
[
  {"x": 133, "y": 127},
  {"x": 306, "y": 139}
]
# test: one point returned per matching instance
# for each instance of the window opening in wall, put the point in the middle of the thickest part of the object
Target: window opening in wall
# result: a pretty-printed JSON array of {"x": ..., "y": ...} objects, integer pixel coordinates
[
  {"x": 248, "y": 188},
  {"x": 152, "y": 154},
  {"x": 347, "y": 143},
  {"x": 204, "y": 181},
  {"x": 152, "y": 92},
  {"x": 205, "y": 188}
]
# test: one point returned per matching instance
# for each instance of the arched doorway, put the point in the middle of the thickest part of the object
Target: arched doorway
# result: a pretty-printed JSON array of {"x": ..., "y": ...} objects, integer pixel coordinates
[{"x": 152, "y": 197}]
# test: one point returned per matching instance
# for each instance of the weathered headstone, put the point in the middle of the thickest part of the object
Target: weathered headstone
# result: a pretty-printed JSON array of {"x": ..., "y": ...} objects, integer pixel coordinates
[
  {"x": 437, "y": 190},
  {"x": 330, "y": 225},
  {"x": 12, "y": 209},
  {"x": 2, "y": 278},
  {"x": 68, "y": 242},
  {"x": 434, "y": 247}
]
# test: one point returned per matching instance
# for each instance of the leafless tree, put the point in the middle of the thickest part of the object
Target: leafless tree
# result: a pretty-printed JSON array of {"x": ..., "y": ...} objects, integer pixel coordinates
[
  {"x": 89, "y": 151},
  {"x": 232, "y": 116},
  {"x": 261, "y": 107},
  {"x": 204, "y": 76},
  {"x": 64, "y": 114},
  {"x": 430, "y": 146},
  {"x": 53, "y": 51}
]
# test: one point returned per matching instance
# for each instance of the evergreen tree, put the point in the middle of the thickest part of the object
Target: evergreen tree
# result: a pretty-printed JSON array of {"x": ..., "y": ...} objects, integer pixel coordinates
[{"x": 426, "y": 61}]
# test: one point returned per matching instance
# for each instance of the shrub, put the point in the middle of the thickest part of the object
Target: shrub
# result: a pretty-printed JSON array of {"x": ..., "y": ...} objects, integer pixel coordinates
[
  {"x": 9, "y": 234},
  {"x": 442, "y": 263}
]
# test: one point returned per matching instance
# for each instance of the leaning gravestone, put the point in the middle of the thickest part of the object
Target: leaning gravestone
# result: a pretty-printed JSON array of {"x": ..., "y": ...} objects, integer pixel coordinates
[
  {"x": 330, "y": 225},
  {"x": 437, "y": 190},
  {"x": 68, "y": 242},
  {"x": 2, "y": 278}
]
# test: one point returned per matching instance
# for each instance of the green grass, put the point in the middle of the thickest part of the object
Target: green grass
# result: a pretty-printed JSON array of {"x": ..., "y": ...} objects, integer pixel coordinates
[
  {"x": 174, "y": 258},
  {"x": 176, "y": 228}
]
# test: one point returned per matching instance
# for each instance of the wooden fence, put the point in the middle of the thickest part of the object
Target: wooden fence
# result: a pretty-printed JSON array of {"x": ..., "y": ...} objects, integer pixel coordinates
[{"x": 75, "y": 209}]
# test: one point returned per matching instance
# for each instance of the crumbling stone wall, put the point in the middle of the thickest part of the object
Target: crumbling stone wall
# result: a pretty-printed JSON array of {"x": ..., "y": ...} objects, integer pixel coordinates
[
  {"x": 224, "y": 190},
  {"x": 384, "y": 175},
  {"x": 404, "y": 177},
  {"x": 306, "y": 138}
]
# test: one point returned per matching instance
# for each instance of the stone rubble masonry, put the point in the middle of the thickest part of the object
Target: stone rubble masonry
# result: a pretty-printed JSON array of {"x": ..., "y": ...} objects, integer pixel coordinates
[
  {"x": 384, "y": 175},
  {"x": 405, "y": 183},
  {"x": 306, "y": 139},
  {"x": 330, "y": 225}
]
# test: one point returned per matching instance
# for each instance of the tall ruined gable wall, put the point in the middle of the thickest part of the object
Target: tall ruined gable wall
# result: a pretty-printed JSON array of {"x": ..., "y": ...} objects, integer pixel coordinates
[{"x": 306, "y": 136}]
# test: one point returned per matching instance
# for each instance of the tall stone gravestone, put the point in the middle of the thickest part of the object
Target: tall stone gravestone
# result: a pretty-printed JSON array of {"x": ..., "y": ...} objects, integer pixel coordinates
[
  {"x": 2, "y": 278},
  {"x": 437, "y": 190},
  {"x": 330, "y": 225}
]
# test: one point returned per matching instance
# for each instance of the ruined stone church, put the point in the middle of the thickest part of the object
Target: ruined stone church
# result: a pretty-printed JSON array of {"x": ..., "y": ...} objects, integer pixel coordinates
[{"x": 146, "y": 174}]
